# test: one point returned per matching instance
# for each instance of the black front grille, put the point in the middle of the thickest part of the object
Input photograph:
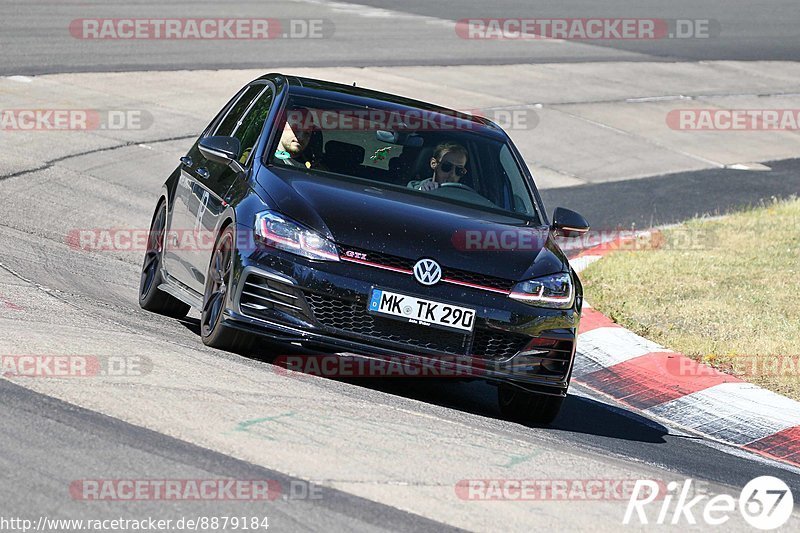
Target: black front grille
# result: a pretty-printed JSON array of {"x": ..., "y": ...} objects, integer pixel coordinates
[
  {"x": 351, "y": 317},
  {"x": 491, "y": 344},
  {"x": 477, "y": 279},
  {"x": 463, "y": 276}
]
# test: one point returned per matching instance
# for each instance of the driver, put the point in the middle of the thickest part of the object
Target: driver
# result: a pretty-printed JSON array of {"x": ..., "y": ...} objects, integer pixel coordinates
[
  {"x": 295, "y": 138},
  {"x": 448, "y": 165}
]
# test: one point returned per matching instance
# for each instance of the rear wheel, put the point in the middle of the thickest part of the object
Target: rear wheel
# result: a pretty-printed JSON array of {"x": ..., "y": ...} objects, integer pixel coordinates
[
  {"x": 212, "y": 330},
  {"x": 527, "y": 407},
  {"x": 150, "y": 298}
]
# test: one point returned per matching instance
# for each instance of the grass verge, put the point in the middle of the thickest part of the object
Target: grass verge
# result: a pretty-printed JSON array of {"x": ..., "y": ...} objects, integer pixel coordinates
[{"x": 723, "y": 291}]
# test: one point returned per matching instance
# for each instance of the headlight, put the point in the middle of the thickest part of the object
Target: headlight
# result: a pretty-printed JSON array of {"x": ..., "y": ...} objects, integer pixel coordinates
[
  {"x": 554, "y": 291},
  {"x": 280, "y": 232}
]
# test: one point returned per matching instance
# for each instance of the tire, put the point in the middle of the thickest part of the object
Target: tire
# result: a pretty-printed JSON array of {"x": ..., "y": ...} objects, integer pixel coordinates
[
  {"x": 526, "y": 407},
  {"x": 213, "y": 332},
  {"x": 150, "y": 298}
]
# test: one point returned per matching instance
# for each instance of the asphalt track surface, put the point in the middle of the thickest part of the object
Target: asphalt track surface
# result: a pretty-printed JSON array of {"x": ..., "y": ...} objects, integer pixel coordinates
[
  {"x": 672, "y": 198},
  {"x": 760, "y": 30},
  {"x": 56, "y": 433},
  {"x": 87, "y": 440},
  {"x": 36, "y": 39}
]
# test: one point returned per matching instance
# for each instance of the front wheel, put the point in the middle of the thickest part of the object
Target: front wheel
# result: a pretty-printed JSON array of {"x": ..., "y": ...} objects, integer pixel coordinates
[
  {"x": 213, "y": 332},
  {"x": 526, "y": 407},
  {"x": 150, "y": 298}
]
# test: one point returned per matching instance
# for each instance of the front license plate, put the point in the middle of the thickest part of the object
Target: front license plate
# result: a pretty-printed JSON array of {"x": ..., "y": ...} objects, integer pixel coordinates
[{"x": 420, "y": 311}]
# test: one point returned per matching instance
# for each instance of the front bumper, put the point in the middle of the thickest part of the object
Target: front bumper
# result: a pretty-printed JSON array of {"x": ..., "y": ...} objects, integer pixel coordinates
[{"x": 323, "y": 305}]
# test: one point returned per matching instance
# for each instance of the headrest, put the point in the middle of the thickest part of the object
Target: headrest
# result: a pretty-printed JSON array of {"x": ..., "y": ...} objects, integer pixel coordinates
[{"x": 342, "y": 155}]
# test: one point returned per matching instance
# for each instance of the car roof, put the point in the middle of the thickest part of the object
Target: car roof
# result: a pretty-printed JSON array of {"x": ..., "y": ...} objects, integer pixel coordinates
[{"x": 352, "y": 94}]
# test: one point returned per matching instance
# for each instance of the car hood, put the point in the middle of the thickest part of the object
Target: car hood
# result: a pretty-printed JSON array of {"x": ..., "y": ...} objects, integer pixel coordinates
[{"x": 366, "y": 218}]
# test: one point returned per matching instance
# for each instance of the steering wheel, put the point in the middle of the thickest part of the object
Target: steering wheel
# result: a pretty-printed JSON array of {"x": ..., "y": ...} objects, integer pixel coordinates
[{"x": 459, "y": 185}]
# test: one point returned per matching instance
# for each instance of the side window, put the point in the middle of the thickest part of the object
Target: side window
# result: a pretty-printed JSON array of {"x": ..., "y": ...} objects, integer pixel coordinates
[
  {"x": 521, "y": 196},
  {"x": 231, "y": 120},
  {"x": 249, "y": 128}
]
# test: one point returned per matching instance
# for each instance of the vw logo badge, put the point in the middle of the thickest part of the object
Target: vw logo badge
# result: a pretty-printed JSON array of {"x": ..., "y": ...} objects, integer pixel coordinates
[{"x": 427, "y": 271}]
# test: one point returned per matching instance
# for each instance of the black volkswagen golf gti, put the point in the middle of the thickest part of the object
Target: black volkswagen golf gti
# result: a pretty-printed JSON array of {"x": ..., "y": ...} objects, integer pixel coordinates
[{"x": 353, "y": 221}]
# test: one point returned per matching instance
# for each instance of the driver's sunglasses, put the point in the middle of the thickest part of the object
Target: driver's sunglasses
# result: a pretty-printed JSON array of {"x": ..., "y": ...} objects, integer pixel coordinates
[{"x": 447, "y": 166}]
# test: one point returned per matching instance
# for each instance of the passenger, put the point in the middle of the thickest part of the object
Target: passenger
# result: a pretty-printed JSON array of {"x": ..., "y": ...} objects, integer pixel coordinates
[
  {"x": 297, "y": 132},
  {"x": 448, "y": 165}
]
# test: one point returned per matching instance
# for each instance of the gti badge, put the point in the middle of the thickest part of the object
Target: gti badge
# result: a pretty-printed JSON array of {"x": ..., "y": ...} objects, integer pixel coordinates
[
  {"x": 427, "y": 271},
  {"x": 355, "y": 255}
]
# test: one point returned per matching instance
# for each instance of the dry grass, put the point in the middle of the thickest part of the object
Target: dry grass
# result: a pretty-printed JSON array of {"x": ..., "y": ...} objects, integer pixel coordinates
[{"x": 725, "y": 291}]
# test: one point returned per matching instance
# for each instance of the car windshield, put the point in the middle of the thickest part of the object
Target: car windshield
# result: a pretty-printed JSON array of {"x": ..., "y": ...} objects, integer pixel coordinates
[{"x": 418, "y": 151}]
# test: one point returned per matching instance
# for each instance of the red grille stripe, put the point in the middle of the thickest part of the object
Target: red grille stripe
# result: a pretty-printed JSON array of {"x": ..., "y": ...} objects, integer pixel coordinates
[{"x": 411, "y": 273}]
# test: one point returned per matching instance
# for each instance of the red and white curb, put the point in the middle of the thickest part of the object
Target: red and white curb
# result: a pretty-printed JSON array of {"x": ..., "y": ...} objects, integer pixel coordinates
[{"x": 668, "y": 386}]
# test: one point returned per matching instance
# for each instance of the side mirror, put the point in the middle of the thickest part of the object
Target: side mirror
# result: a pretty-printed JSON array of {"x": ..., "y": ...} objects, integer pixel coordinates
[
  {"x": 222, "y": 150},
  {"x": 569, "y": 223}
]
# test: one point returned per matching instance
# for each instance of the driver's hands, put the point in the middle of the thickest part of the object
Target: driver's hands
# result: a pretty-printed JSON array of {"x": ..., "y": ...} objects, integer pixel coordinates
[{"x": 428, "y": 185}]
